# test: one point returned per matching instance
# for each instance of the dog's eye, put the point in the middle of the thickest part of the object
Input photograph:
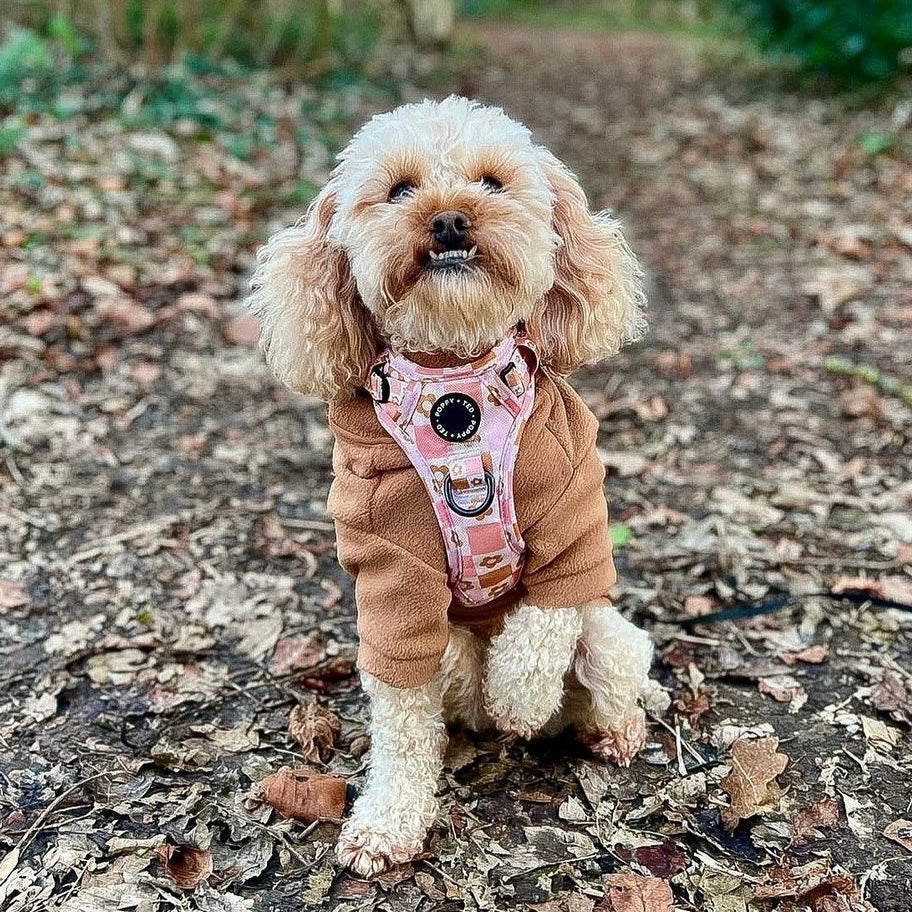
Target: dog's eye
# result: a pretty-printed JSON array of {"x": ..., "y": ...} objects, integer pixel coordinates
[
  {"x": 491, "y": 183},
  {"x": 400, "y": 191}
]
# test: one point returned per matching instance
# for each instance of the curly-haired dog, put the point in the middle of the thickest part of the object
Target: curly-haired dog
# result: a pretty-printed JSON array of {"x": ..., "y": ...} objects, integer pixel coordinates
[{"x": 439, "y": 287}]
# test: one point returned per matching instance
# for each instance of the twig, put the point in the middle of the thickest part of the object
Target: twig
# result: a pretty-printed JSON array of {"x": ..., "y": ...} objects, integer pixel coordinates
[{"x": 36, "y": 827}]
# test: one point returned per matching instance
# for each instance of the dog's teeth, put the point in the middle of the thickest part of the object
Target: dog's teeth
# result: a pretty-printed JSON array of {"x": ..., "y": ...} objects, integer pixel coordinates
[
  {"x": 472, "y": 252},
  {"x": 433, "y": 255}
]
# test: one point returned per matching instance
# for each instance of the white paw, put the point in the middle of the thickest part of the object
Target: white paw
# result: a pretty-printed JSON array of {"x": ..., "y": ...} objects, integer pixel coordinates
[
  {"x": 369, "y": 850},
  {"x": 620, "y": 744},
  {"x": 513, "y": 718}
]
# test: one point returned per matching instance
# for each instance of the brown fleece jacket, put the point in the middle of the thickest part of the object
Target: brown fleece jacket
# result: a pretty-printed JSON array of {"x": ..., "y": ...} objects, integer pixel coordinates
[{"x": 388, "y": 538}]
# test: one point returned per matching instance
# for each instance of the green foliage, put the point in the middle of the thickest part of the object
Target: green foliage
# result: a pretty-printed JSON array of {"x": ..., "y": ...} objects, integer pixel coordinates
[
  {"x": 847, "y": 40},
  {"x": 621, "y": 535},
  {"x": 303, "y": 35}
]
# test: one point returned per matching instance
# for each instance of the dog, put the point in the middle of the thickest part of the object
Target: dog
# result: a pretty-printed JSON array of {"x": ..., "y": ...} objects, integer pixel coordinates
[{"x": 440, "y": 287}]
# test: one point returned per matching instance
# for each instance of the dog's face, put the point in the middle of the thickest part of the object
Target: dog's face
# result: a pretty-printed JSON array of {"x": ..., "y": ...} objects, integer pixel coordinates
[
  {"x": 442, "y": 227},
  {"x": 445, "y": 213}
]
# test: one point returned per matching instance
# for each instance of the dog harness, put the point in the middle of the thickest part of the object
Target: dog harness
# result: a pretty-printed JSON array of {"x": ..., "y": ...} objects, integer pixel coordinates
[{"x": 460, "y": 428}]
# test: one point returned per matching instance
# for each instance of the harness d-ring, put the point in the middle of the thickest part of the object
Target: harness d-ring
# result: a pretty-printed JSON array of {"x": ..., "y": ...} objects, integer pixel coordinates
[{"x": 451, "y": 501}]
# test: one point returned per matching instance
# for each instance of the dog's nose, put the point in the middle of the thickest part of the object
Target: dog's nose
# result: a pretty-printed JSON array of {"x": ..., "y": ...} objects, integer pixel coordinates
[{"x": 450, "y": 228}]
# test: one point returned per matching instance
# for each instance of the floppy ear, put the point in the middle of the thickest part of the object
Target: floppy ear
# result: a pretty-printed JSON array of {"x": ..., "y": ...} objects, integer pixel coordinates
[
  {"x": 597, "y": 300},
  {"x": 317, "y": 336}
]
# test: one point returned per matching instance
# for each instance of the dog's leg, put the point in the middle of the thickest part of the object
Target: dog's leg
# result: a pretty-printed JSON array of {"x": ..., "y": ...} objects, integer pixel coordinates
[
  {"x": 461, "y": 673},
  {"x": 527, "y": 661},
  {"x": 612, "y": 668},
  {"x": 391, "y": 818}
]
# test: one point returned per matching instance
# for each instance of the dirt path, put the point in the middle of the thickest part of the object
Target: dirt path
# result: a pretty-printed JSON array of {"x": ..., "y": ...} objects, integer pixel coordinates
[{"x": 170, "y": 584}]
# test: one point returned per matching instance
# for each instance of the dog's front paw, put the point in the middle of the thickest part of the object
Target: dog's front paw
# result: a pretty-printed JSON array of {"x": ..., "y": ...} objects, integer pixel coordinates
[
  {"x": 520, "y": 719},
  {"x": 618, "y": 745},
  {"x": 369, "y": 850}
]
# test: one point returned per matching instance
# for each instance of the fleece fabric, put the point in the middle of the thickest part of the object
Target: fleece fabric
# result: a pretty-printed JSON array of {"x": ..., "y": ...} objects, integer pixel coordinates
[{"x": 389, "y": 540}]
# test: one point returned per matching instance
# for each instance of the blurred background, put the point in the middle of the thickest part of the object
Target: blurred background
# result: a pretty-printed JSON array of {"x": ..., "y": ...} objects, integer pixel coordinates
[{"x": 168, "y": 584}]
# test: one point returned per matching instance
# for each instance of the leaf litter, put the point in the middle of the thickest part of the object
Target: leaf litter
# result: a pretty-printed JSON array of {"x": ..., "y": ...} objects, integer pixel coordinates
[{"x": 176, "y": 642}]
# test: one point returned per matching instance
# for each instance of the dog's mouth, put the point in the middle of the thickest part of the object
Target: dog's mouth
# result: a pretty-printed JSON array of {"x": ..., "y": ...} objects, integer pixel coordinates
[{"x": 454, "y": 258}]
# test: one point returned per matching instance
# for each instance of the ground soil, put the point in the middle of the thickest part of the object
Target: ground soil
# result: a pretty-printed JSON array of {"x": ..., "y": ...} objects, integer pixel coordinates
[{"x": 171, "y": 589}]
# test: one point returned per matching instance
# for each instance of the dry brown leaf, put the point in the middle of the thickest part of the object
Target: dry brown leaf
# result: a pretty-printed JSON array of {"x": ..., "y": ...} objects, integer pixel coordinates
[
  {"x": 187, "y": 865},
  {"x": 297, "y": 653},
  {"x": 145, "y": 372},
  {"x": 824, "y": 813},
  {"x": 244, "y": 329},
  {"x": 814, "y": 882},
  {"x": 40, "y": 322},
  {"x": 784, "y": 689},
  {"x": 315, "y": 728},
  {"x": 892, "y": 588},
  {"x": 12, "y": 594},
  {"x": 900, "y": 831},
  {"x": 813, "y": 655},
  {"x": 127, "y": 318},
  {"x": 751, "y": 784},
  {"x": 629, "y": 892},
  {"x": 697, "y": 605},
  {"x": 891, "y": 695},
  {"x": 302, "y": 794}
]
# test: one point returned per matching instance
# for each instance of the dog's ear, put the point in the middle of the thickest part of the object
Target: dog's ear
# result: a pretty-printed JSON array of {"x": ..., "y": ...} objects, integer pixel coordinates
[
  {"x": 316, "y": 334},
  {"x": 597, "y": 300}
]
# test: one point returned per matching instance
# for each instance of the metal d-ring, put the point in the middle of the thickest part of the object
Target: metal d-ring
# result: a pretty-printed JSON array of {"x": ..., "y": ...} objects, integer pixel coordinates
[{"x": 451, "y": 503}]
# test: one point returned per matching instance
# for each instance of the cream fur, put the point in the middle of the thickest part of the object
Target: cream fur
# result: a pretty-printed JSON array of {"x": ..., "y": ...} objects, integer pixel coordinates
[
  {"x": 462, "y": 678},
  {"x": 351, "y": 274},
  {"x": 390, "y": 819},
  {"x": 350, "y": 277},
  {"x": 526, "y": 664}
]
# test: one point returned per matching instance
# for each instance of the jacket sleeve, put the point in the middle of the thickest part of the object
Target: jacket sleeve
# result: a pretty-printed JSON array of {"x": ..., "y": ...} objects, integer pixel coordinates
[
  {"x": 565, "y": 527},
  {"x": 399, "y": 569},
  {"x": 569, "y": 560}
]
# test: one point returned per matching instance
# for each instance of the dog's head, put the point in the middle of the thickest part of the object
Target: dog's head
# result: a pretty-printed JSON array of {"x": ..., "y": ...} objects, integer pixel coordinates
[{"x": 442, "y": 227}]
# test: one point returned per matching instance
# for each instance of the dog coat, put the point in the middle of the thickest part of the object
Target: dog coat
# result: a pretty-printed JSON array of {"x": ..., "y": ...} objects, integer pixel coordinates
[{"x": 460, "y": 428}]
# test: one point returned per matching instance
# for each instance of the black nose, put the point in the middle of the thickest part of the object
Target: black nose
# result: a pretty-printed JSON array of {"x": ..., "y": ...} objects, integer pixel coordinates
[{"x": 450, "y": 228}]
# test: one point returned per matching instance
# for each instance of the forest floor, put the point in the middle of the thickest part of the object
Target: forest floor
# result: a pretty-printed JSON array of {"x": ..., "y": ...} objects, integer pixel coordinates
[{"x": 168, "y": 585}]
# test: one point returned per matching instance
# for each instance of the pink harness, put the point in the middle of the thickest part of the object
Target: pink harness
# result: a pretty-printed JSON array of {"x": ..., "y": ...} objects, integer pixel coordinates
[{"x": 460, "y": 428}]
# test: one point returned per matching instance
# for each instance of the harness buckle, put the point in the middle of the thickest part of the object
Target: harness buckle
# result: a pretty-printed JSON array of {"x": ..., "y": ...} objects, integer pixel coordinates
[{"x": 378, "y": 385}]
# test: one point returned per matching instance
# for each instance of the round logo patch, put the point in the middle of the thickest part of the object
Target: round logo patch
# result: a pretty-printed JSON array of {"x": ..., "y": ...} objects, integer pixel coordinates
[{"x": 455, "y": 417}]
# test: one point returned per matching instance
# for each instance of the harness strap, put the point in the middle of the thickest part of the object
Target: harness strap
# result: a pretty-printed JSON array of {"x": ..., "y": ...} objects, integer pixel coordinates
[{"x": 460, "y": 428}]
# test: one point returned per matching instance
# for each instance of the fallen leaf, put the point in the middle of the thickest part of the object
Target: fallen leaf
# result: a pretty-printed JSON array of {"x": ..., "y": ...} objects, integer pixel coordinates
[
  {"x": 697, "y": 605},
  {"x": 8, "y": 864},
  {"x": 823, "y": 813},
  {"x": 629, "y": 892},
  {"x": 815, "y": 882},
  {"x": 244, "y": 329},
  {"x": 813, "y": 655},
  {"x": 624, "y": 463},
  {"x": 891, "y": 695},
  {"x": 127, "y": 318},
  {"x": 146, "y": 372},
  {"x": 297, "y": 653},
  {"x": 186, "y": 865},
  {"x": 199, "y": 303},
  {"x": 315, "y": 728},
  {"x": 900, "y": 831},
  {"x": 879, "y": 735},
  {"x": 784, "y": 689},
  {"x": 675, "y": 365},
  {"x": 12, "y": 594},
  {"x": 891, "y": 588},
  {"x": 39, "y": 322},
  {"x": 661, "y": 860},
  {"x": 751, "y": 784},
  {"x": 302, "y": 794}
]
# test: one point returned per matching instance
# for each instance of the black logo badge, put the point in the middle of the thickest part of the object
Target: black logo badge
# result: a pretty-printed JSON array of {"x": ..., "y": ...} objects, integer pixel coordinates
[{"x": 455, "y": 417}]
